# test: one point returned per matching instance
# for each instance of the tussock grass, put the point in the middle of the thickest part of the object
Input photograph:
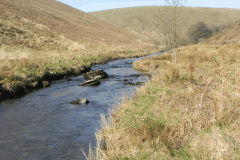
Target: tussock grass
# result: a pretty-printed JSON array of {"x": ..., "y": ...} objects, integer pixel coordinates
[{"x": 188, "y": 110}]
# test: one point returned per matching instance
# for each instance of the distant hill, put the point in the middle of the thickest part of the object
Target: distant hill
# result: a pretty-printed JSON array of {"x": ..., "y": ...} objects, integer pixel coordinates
[
  {"x": 146, "y": 22},
  {"x": 50, "y": 24}
]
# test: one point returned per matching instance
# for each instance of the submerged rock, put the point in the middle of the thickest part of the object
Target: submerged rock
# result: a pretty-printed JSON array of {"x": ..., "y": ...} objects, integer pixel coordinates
[
  {"x": 134, "y": 84},
  {"x": 80, "y": 101},
  {"x": 97, "y": 74},
  {"x": 116, "y": 67},
  {"x": 139, "y": 75},
  {"x": 90, "y": 82},
  {"x": 135, "y": 75},
  {"x": 122, "y": 80}
]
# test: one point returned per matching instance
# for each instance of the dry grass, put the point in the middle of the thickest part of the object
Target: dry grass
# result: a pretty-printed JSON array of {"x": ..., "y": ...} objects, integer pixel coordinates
[{"x": 189, "y": 110}]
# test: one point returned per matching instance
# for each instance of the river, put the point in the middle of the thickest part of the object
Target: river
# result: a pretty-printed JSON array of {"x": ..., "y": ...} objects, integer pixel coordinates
[{"x": 44, "y": 125}]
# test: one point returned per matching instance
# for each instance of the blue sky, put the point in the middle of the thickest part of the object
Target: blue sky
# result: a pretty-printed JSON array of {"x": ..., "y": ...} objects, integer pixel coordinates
[{"x": 94, "y": 5}]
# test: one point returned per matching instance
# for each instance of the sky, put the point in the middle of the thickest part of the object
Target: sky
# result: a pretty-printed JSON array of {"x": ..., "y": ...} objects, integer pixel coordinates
[{"x": 98, "y": 5}]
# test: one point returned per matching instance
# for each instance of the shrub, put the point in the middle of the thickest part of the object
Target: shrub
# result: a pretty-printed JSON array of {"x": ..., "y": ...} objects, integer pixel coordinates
[{"x": 197, "y": 31}]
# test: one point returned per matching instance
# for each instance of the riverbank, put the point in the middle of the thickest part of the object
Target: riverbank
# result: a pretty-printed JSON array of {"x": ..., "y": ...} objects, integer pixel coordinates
[
  {"x": 19, "y": 76},
  {"x": 188, "y": 110}
]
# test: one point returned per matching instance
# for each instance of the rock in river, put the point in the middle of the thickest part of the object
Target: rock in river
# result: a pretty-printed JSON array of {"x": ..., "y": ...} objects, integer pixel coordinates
[
  {"x": 80, "y": 101},
  {"x": 134, "y": 84},
  {"x": 90, "y": 82},
  {"x": 97, "y": 74}
]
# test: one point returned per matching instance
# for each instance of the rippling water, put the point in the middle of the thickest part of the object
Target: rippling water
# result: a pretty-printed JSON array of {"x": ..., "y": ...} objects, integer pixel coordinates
[{"x": 44, "y": 125}]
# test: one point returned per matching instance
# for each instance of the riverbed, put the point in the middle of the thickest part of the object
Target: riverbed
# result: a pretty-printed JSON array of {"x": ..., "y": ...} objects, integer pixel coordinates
[{"x": 44, "y": 125}]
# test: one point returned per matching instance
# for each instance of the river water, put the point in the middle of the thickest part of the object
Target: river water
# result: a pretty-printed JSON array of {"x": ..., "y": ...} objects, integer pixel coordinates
[{"x": 44, "y": 125}]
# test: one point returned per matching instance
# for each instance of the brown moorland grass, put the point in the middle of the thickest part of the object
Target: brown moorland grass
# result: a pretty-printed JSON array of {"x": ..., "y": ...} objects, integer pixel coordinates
[{"x": 188, "y": 110}]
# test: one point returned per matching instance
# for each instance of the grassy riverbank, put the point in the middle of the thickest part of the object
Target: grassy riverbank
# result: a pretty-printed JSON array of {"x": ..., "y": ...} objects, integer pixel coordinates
[
  {"x": 24, "y": 70},
  {"x": 188, "y": 110}
]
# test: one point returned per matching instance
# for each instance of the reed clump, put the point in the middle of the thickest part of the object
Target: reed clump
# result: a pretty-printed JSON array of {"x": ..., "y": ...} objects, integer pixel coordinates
[{"x": 188, "y": 110}]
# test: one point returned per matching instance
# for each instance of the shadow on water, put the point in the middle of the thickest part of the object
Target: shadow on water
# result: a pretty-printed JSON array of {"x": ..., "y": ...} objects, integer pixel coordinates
[{"x": 44, "y": 125}]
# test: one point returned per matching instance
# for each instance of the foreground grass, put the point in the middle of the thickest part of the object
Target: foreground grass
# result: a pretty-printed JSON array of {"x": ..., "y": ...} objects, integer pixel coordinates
[{"x": 188, "y": 110}]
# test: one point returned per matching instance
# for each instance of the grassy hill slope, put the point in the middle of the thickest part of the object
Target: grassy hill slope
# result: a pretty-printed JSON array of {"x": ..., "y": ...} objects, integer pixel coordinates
[
  {"x": 147, "y": 21},
  {"x": 52, "y": 18},
  {"x": 229, "y": 35}
]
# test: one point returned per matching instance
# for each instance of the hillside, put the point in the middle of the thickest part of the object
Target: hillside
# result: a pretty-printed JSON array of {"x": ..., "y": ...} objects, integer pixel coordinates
[
  {"x": 228, "y": 35},
  {"x": 52, "y": 20},
  {"x": 43, "y": 40},
  {"x": 147, "y": 22}
]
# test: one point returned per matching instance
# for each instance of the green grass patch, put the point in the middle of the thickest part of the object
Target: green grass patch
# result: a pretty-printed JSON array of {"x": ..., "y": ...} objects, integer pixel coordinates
[
  {"x": 185, "y": 77},
  {"x": 141, "y": 109},
  {"x": 91, "y": 58},
  {"x": 59, "y": 67},
  {"x": 127, "y": 158},
  {"x": 55, "y": 65},
  {"x": 156, "y": 123},
  {"x": 185, "y": 153},
  {"x": 233, "y": 60},
  {"x": 169, "y": 92},
  {"x": 33, "y": 71},
  {"x": 141, "y": 115},
  {"x": 222, "y": 125},
  {"x": 205, "y": 131},
  {"x": 143, "y": 156}
]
